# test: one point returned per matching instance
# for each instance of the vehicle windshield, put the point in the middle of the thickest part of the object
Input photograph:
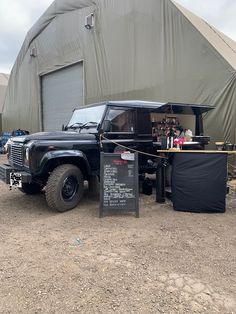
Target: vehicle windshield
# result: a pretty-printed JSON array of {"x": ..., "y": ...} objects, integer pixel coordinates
[{"x": 86, "y": 117}]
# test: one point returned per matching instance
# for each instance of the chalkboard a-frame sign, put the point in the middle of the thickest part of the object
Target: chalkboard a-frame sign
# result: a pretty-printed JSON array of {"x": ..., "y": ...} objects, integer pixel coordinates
[{"x": 119, "y": 183}]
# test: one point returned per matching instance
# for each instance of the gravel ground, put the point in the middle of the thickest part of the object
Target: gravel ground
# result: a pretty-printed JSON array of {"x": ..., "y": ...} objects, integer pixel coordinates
[{"x": 163, "y": 262}]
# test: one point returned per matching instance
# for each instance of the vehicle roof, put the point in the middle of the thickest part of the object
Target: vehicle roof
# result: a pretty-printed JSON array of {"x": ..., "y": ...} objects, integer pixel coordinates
[{"x": 152, "y": 106}]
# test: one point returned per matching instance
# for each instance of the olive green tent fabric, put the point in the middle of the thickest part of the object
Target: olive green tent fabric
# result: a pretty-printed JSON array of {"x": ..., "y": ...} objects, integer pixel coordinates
[
  {"x": 150, "y": 50},
  {"x": 3, "y": 86}
]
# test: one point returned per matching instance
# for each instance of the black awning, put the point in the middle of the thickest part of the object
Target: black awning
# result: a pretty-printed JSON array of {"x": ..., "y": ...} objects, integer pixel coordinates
[
  {"x": 168, "y": 108},
  {"x": 187, "y": 108}
]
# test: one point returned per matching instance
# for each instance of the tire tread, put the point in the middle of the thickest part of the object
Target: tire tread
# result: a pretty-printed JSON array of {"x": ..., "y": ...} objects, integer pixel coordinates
[{"x": 51, "y": 188}]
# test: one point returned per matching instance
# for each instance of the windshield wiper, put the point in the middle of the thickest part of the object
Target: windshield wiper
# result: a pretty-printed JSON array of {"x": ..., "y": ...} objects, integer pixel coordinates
[
  {"x": 79, "y": 125},
  {"x": 74, "y": 126},
  {"x": 86, "y": 125}
]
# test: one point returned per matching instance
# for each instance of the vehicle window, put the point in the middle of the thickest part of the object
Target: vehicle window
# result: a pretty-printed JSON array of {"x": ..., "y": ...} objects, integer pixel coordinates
[
  {"x": 122, "y": 120},
  {"x": 86, "y": 115},
  {"x": 144, "y": 122}
]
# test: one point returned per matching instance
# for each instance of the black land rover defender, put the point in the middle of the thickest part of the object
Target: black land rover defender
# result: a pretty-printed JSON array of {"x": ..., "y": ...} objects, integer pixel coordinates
[{"x": 61, "y": 161}]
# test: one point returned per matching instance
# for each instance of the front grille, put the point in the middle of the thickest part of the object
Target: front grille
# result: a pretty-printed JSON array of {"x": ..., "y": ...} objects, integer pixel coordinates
[{"x": 16, "y": 155}]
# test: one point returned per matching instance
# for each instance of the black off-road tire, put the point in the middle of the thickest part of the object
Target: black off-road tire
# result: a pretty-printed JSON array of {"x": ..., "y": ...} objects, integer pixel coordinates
[
  {"x": 65, "y": 188},
  {"x": 31, "y": 188}
]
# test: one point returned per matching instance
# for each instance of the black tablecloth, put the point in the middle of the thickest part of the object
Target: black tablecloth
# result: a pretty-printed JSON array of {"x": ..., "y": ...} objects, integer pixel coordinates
[{"x": 199, "y": 182}]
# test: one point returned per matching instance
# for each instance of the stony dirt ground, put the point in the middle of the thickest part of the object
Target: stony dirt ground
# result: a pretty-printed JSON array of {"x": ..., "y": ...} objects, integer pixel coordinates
[{"x": 163, "y": 262}]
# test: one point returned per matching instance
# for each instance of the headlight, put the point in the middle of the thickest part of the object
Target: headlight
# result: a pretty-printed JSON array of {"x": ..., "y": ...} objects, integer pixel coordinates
[
  {"x": 6, "y": 147},
  {"x": 27, "y": 156}
]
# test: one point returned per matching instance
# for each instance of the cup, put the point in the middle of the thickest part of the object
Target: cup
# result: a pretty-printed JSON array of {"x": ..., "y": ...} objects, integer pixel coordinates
[{"x": 220, "y": 145}]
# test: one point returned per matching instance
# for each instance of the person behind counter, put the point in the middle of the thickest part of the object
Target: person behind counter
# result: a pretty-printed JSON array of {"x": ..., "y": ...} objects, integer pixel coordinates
[
  {"x": 178, "y": 137},
  {"x": 184, "y": 133}
]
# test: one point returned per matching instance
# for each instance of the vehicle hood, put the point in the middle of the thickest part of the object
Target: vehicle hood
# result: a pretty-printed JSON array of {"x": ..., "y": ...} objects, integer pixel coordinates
[{"x": 54, "y": 136}]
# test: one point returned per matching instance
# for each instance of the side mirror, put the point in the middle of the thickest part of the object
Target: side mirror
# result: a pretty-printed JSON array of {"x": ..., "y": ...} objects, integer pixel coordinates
[
  {"x": 63, "y": 127},
  {"x": 106, "y": 126}
]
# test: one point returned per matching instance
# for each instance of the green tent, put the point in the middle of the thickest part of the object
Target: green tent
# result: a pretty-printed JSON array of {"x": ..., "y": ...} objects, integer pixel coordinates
[
  {"x": 83, "y": 51},
  {"x": 3, "y": 86}
]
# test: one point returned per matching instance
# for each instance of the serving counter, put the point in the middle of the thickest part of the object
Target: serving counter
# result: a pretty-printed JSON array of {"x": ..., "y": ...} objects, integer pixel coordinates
[
  {"x": 198, "y": 179},
  {"x": 174, "y": 150}
]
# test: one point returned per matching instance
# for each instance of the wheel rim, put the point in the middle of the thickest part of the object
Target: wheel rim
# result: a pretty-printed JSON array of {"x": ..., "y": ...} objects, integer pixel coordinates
[{"x": 69, "y": 188}]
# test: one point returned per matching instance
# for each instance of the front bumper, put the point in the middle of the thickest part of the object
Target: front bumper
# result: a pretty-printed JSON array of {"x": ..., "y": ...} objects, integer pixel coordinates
[{"x": 7, "y": 173}]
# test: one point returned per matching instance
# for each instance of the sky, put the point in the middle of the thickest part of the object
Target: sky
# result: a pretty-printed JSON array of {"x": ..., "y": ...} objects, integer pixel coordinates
[{"x": 17, "y": 17}]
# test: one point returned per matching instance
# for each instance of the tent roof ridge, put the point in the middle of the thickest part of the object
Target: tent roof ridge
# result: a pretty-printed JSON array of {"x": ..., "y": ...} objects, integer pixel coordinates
[
  {"x": 224, "y": 45},
  {"x": 219, "y": 35}
]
